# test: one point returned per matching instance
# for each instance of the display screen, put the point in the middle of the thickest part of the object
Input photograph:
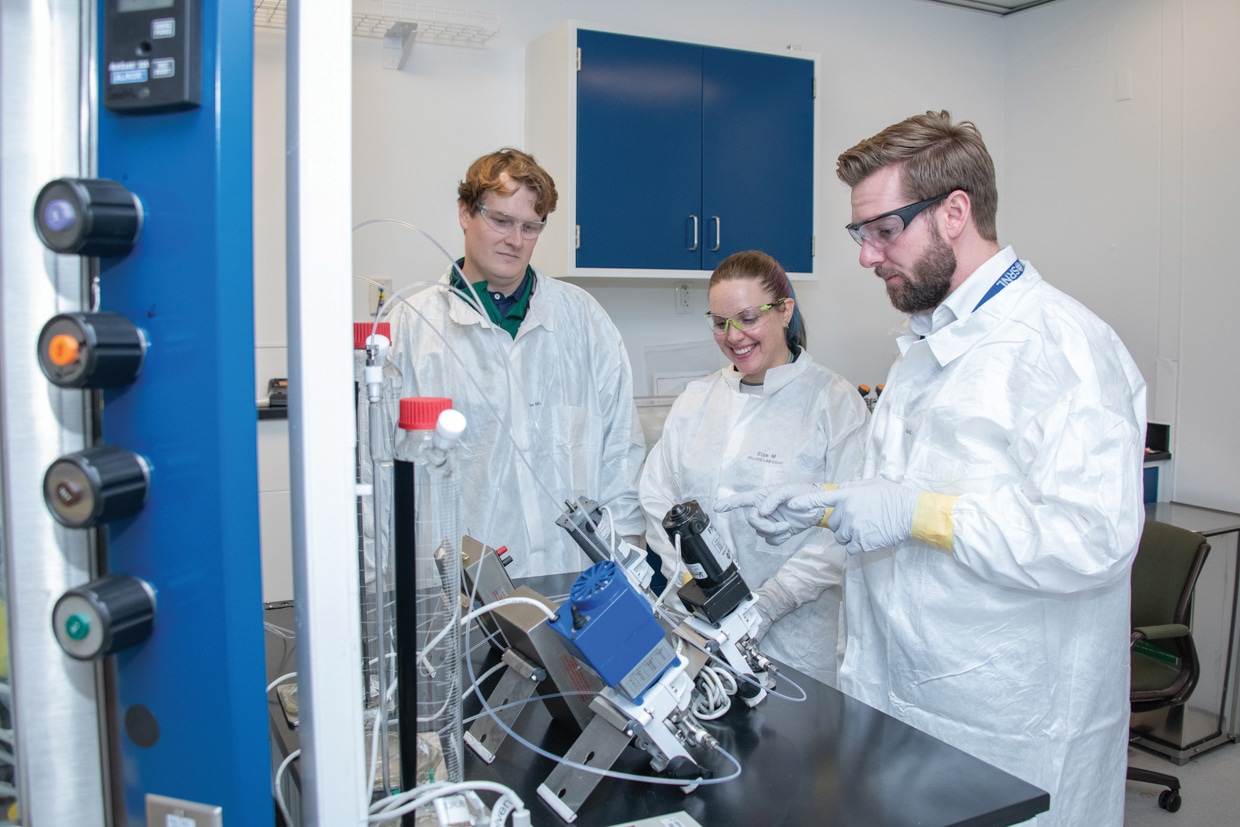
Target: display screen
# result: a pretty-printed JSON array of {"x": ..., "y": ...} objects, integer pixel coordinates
[{"x": 143, "y": 5}]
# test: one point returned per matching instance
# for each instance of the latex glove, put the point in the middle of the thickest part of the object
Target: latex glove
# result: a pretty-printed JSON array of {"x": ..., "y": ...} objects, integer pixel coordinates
[
  {"x": 771, "y": 513},
  {"x": 867, "y": 515}
]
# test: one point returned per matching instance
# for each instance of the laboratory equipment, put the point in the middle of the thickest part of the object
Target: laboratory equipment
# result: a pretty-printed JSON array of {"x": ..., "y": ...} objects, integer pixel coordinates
[
  {"x": 104, "y": 616},
  {"x": 870, "y": 397},
  {"x": 87, "y": 217},
  {"x": 534, "y": 657},
  {"x": 91, "y": 350},
  {"x": 607, "y": 624},
  {"x": 611, "y": 627},
  {"x": 585, "y": 523},
  {"x": 96, "y": 486},
  {"x": 536, "y": 661},
  {"x": 370, "y": 342},
  {"x": 426, "y": 500},
  {"x": 152, "y": 55},
  {"x": 722, "y": 608}
]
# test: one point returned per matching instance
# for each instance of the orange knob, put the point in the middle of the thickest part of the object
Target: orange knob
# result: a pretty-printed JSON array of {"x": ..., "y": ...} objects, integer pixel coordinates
[{"x": 63, "y": 349}]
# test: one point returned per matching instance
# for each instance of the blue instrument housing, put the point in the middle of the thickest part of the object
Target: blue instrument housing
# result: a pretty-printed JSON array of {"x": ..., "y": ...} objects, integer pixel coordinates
[{"x": 608, "y": 625}]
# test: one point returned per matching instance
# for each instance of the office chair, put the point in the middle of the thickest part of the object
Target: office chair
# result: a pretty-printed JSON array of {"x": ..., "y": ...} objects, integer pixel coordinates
[{"x": 1164, "y": 660}]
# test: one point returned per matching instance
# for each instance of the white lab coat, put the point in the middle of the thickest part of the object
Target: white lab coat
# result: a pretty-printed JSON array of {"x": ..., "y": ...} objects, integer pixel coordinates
[
  {"x": 1013, "y": 647},
  {"x": 806, "y": 426},
  {"x": 549, "y": 414}
]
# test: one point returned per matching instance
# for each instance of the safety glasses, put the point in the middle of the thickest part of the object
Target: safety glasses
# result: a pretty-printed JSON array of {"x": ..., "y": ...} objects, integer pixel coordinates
[
  {"x": 881, "y": 230},
  {"x": 748, "y": 319}
]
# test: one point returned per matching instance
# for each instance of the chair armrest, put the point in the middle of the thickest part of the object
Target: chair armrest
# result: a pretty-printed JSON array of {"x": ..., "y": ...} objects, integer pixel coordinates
[{"x": 1162, "y": 632}]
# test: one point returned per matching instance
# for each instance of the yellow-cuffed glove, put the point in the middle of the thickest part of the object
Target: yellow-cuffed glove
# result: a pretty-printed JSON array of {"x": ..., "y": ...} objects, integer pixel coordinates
[{"x": 876, "y": 513}]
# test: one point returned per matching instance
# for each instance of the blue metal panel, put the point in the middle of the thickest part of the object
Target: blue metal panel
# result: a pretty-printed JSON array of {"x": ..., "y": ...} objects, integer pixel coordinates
[
  {"x": 639, "y": 169},
  {"x": 758, "y": 156},
  {"x": 191, "y": 413}
]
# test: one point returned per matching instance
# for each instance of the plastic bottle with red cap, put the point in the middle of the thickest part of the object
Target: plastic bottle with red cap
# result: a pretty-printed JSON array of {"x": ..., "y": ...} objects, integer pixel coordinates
[
  {"x": 362, "y": 331},
  {"x": 430, "y": 432}
]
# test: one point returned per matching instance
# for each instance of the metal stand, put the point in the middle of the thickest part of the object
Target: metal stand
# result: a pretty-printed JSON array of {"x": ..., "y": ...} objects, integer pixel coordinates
[{"x": 506, "y": 701}]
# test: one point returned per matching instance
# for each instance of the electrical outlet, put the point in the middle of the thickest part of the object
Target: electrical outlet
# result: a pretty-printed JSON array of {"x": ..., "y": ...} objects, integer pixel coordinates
[
  {"x": 372, "y": 303},
  {"x": 682, "y": 298}
]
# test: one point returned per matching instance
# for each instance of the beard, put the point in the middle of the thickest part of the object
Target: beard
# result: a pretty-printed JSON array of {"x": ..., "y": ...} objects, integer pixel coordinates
[{"x": 931, "y": 282}]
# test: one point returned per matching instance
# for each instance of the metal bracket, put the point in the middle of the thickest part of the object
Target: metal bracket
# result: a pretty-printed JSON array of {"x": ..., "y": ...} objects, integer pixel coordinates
[
  {"x": 567, "y": 788},
  {"x": 518, "y": 684},
  {"x": 397, "y": 44}
]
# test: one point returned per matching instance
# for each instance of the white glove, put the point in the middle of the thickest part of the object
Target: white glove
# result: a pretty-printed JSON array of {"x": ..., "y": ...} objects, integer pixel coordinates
[
  {"x": 771, "y": 511},
  {"x": 868, "y": 515},
  {"x": 764, "y": 620}
]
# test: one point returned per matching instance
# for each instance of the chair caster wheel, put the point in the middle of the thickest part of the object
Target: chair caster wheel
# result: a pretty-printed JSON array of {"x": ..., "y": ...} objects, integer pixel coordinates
[{"x": 1169, "y": 800}]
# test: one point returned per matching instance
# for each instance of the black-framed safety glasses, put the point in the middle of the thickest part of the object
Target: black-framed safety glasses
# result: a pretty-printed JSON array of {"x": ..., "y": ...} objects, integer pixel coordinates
[{"x": 882, "y": 230}]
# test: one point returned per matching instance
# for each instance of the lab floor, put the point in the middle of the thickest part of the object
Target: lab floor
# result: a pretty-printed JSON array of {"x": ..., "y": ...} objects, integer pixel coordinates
[{"x": 1210, "y": 788}]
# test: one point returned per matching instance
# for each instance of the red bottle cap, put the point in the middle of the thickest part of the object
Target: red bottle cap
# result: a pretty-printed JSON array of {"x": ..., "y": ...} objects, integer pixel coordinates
[
  {"x": 361, "y": 332},
  {"x": 420, "y": 413}
]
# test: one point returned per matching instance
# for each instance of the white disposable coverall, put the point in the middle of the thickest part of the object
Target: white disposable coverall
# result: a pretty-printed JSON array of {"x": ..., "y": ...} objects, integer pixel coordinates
[
  {"x": 1013, "y": 647},
  {"x": 807, "y": 425},
  {"x": 566, "y": 388}
]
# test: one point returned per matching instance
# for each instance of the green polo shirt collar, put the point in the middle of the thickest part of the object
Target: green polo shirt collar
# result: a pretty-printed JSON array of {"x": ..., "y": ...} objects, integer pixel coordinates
[{"x": 511, "y": 319}]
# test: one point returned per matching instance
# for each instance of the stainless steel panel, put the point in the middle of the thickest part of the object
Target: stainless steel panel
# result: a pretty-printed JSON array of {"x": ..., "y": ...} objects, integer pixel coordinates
[{"x": 44, "y": 134}]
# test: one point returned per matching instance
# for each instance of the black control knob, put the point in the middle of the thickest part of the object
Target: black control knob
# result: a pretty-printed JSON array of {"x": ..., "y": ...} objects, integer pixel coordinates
[
  {"x": 104, "y": 616},
  {"x": 87, "y": 216},
  {"x": 91, "y": 350},
  {"x": 95, "y": 486}
]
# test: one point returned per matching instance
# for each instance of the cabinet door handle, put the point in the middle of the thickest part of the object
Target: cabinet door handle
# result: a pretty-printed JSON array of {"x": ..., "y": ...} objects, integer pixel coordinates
[
  {"x": 718, "y": 233},
  {"x": 695, "y": 232}
]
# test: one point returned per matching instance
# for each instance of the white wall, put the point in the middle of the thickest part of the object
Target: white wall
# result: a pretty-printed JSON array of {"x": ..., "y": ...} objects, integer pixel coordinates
[
  {"x": 1123, "y": 203},
  {"x": 416, "y": 131},
  {"x": 1120, "y": 117}
]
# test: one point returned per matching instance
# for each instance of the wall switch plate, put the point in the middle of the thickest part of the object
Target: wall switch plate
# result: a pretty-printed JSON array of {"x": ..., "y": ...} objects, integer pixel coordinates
[
  {"x": 682, "y": 298},
  {"x": 162, "y": 811}
]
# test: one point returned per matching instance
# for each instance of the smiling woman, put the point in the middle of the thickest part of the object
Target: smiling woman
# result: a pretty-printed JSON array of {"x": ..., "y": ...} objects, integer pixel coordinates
[
  {"x": 772, "y": 415},
  {"x": 752, "y": 310}
]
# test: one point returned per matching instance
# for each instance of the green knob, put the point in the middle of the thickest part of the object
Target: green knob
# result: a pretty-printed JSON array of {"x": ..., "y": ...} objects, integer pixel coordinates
[{"x": 77, "y": 626}]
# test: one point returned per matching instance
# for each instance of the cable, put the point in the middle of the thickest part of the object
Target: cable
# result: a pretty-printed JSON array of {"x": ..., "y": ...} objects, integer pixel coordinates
[
  {"x": 473, "y": 301},
  {"x": 278, "y": 631},
  {"x": 624, "y": 776},
  {"x": 504, "y": 420},
  {"x": 275, "y": 785},
  {"x": 473, "y": 687},
  {"x": 408, "y": 802},
  {"x": 715, "y": 686},
  {"x": 676, "y": 621},
  {"x": 550, "y": 696},
  {"x": 286, "y": 676},
  {"x": 486, "y": 609}
]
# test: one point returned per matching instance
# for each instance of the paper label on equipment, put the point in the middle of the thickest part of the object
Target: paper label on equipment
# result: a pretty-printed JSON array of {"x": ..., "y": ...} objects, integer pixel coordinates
[
  {"x": 696, "y": 571},
  {"x": 711, "y": 537},
  {"x": 650, "y": 667}
]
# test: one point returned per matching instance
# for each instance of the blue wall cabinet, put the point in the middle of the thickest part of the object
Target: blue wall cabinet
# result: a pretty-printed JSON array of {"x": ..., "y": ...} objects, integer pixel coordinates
[{"x": 670, "y": 156}]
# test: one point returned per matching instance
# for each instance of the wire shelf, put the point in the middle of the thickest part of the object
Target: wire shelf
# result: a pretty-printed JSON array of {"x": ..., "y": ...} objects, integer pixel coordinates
[
  {"x": 270, "y": 14},
  {"x": 374, "y": 18}
]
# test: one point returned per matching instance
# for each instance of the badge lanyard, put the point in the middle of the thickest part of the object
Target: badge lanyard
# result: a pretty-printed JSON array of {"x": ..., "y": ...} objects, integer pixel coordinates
[{"x": 1010, "y": 275}]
